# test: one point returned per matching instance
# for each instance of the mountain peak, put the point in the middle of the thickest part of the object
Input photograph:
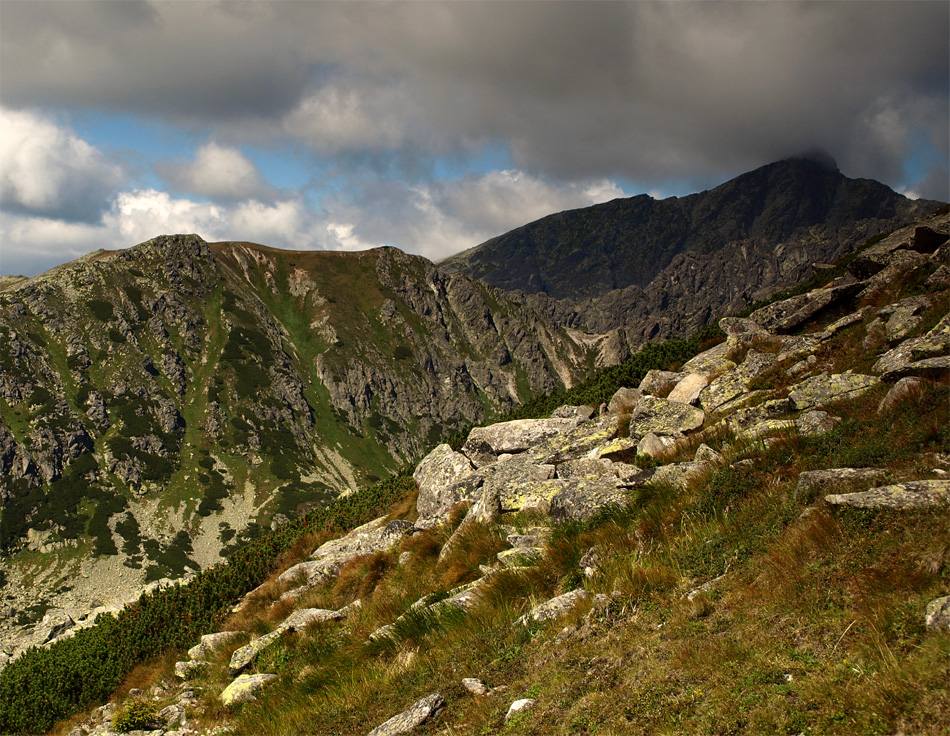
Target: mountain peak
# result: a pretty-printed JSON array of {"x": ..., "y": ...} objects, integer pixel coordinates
[{"x": 817, "y": 156}]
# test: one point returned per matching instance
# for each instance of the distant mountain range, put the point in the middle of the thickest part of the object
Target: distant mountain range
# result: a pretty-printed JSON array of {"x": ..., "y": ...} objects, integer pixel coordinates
[{"x": 658, "y": 267}]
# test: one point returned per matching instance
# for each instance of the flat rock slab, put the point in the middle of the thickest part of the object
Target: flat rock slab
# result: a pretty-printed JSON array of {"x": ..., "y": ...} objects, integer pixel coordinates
[
  {"x": 819, "y": 390},
  {"x": 711, "y": 362},
  {"x": 687, "y": 390},
  {"x": 556, "y": 607},
  {"x": 420, "y": 712},
  {"x": 581, "y": 498},
  {"x": 915, "y": 494},
  {"x": 664, "y": 417},
  {"x": 933, "y": 344},
  {"x": 575, "y": 443},
  {"x": 937, "y": 369},
  {"x": 244, "y": 687},
  {"x": 517, "y": 435},
  {"x": 823, "y": 481}
]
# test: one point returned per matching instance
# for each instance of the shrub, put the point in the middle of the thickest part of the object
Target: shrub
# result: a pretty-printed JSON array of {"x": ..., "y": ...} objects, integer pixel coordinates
[{"x": 136, "y": 715}]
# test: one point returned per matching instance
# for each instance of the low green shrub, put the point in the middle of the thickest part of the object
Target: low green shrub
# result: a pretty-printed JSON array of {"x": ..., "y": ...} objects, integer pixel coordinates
[{"x": 137, "y": 715}]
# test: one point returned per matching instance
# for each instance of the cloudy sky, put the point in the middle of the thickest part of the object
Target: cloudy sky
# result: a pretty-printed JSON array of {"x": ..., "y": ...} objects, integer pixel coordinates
[{"x": 433, "y": 126}]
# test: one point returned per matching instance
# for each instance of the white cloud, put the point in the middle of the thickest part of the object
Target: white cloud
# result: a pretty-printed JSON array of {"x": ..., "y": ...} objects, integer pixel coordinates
[
  {"x": 47, "y": 170},
  {"x": 218, "y": 172},
  {"x": 434, "y": 220}
]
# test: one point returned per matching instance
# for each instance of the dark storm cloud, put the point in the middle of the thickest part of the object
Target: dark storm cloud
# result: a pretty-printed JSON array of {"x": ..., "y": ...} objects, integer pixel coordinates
[{"x": 646, "y": 91}]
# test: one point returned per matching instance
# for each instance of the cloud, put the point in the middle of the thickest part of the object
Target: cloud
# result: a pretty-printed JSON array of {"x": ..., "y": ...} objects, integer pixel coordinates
[
  {"x": 645, "y": 91},
  {"x": 433, "y": 220},
  {"x": 47, "y": 170},
  {"x": 219, "y": 172},
  {"x": 441, "y": 218}
]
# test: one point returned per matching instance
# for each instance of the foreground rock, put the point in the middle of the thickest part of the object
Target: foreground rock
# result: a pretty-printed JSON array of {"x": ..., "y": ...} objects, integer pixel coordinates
[
  {"x": 556, "y": 607},
  {"x": 244, "y": 687},
  {"x": 421, "y": 712},
  {"x": 938, "y": 614}
]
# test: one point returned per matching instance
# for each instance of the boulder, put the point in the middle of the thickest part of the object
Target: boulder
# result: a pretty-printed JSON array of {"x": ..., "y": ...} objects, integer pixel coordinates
[
  {"x": 244, "y": 687},
  {"x": 514, "y": 481},
  {"x": 824, "y": 389},
  {"x": 519, "y": 556},
  {"x": 652, "y": 444},
  {"x": 937, "y": 616},
  {"x": 575, "y": 443},
  {"x": 556, "y": 607},
  {"x": 577, "y": 413},
  {"x": 813, "y": 482},
  {"x": 664, "y": 417},
  {"x": 816, "y": 422},
  {"x": 410, "y": 719},
  {"x": 933, "y": 344},
  {"x": 790, "y": 314},
  {"x": 298, "y": 620},
  {"x": 656, "y": 382},
  {"x": 711, "y": 362},
  {"x": 937, "y": 369},
  {"x": 687, "y": 391},
  {"x": 584, "y": 467},
  {"x": 474, "y": 686},
  {"x": 517, "y": 435},
  {"x": 678, "y": 474},
  {"x": 736, "y": 382},
  {"x": 624, "y": 400},
  {"x": 581, "y": 498},
  {"x": 706, "y": 454},
  {"x": 210, "y": 642},
  {"x": 906, "y": 388},
  {"x": 915, "y": 494},
  {"x": 438, "y": 477},
  {"x": 186, "y": 670},
  {"x": 519, "y": 706},
  {"x": 742, "y": 327}
]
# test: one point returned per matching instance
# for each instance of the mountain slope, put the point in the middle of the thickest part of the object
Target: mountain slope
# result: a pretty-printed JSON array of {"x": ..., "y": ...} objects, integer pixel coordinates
[
  {"x": 158, "y": 403},
  {"x": 662, "y": 267}
]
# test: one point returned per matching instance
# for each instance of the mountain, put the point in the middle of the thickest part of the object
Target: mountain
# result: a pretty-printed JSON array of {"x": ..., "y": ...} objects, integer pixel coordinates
[
  {"x": 160, "y": 403},
  {"x": 656, "y": 268},
  {"x": 755, "y": 542}
]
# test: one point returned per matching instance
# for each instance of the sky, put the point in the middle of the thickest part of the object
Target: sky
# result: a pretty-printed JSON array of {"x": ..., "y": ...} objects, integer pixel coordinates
[{"x": 434, "y": 126}]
